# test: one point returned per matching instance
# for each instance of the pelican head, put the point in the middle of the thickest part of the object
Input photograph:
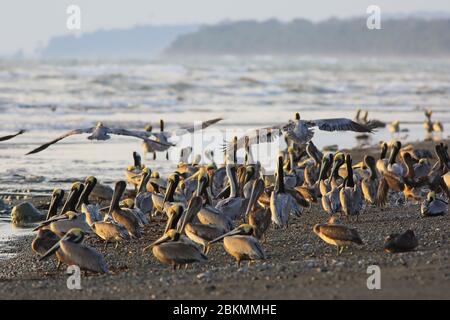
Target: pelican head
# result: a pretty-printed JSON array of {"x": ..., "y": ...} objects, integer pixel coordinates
[
  {"x": 244, "y": 229},
  {"x": 148, "y": 128},
  {"x": 431, "y": 196},
  {"x": 297, "y": 116},
  {"x": 172, "y": 182},
  {"x": 170, "y": 235},
  {"x": 74, "y": 235},
  {"x": 57, "y": 197}
]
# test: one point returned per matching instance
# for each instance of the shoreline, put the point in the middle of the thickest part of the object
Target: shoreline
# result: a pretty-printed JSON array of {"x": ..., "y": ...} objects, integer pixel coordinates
[{"x": 299, "y": 264}]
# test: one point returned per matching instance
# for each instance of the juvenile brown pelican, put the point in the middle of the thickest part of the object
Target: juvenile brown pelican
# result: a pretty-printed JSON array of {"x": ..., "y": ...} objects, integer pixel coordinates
[
  {"x": 123, "y": 216},
  {"x": 403, "y": 242},
  {"x": 351, "y": 195},
  {"x": 369, "y": 185},
  {"x": 110, "y": 231},
  {"x": 69, "y": 250},
  {"x": 258, "y": 217},
  {"x": 338, "y": 235},
  {"x": 240, "y": 244},
  {"x": 5, "y": 138},
  {"x": 99, "y": 132},
  {"x": 433, "y": 206},
  {"x": 133, "y": 174},
  {"x": 301, "y": 131},
  {"x": 281, "y": 202}
]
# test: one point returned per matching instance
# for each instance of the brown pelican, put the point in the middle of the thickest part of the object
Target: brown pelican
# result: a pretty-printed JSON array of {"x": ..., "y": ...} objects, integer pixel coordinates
[
  {"x": 69, "y": 250},
  {"x": 143, "y": 200},
  {"x": 57, "y": 197},
  {"x": 433, "y": 206},
  {"x": 403, "y": 242},
  {"x": 369, "y": 185},
  {"x": 99, "y": 132},
  {"x": 45, "y": 239},
  {"x": 123, "y": 216},
  {"x": 133, "y": 174},
  {"x": 173, "y": 248},
  {"x": 240, "y": 244},
  {"x": 351, "y": 195},
  {"x": 164, "y": 136},
  {"x": 110, "y": 231},
  {"x": 258, "y": 217},
  {"x": 331, "y": 202},
  {"x": 337, "y": 235},
  {"x": 301, "y": 131},
  {"x": 231, "y": 207},
  {"x": 5, "y": 138},
  {"x": 382, "y": 162},
  {"x": 281, "y": 202}
]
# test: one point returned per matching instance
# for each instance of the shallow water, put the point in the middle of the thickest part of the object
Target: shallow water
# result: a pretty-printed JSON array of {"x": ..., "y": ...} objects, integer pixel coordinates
[{"x": 49, "y": 98}]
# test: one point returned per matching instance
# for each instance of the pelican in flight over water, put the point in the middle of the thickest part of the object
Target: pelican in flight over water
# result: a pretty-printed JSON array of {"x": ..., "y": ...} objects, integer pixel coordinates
[
  {"x": 301, "y": 131},
  {"x": 99, "y": 132},
  {"x": 8, "y": 137}
]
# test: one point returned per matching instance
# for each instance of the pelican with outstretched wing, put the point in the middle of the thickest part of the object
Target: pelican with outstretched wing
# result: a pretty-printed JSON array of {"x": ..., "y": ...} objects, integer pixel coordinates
[
  {"x": 301, "y": 131},
  {"x": 99, "y": 132},
  {"x": 8, "y": 137},
  {"x": 163, "y": 136}
]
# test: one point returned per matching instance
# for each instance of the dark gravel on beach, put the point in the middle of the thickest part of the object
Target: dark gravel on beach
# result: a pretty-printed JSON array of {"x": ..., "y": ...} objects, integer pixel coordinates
[{"x": 299, "y": 266}]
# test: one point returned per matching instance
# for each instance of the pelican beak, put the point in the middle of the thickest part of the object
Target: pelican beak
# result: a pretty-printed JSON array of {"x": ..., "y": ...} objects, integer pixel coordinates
[
  {"x": 195, "y": 205},
  {"x": 163, "y": 239},
  {"x": 54, "y": 248},
  {"x": 228, "y": 234},
  {"x": 170, "y": 191},
  {"x": 201, "y": 185},
  {"x": 258, "y": 188}
]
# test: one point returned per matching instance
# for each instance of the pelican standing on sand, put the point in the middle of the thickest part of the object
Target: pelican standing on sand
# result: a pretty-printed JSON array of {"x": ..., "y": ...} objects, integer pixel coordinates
[
  {"x": 69, "y": 250},
  {"x": 337, "y": 235},
  {"x": 240, "y": 244}
]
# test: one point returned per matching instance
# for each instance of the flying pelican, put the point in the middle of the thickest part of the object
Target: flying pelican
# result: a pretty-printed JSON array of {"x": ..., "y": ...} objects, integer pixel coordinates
[
  {"x": 338, "y": 235},
  {"x": 99, "y": 132},
  {"x": 8, "y": 137},
  {"x": 69, "y": 250},
  {"x": 240, "y": 244},
  {"x": 300, "y": 131},
  {"x": 403, "y": 242},
  {"x": 164, "y": 136}
]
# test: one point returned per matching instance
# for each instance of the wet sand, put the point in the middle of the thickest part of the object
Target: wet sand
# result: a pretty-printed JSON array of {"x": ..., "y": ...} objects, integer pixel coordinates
[{"x": 299, "y": 265}]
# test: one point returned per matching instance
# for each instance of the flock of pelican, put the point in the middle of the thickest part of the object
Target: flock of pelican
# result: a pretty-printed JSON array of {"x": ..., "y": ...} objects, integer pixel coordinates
[{"x": 236, "y": 203}]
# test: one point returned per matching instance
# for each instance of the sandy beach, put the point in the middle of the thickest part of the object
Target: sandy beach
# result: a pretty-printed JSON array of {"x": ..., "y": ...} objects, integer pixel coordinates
[{"x": 299, "y": 265}]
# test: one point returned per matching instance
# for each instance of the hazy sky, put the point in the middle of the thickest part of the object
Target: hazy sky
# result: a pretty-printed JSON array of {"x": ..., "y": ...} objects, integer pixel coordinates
[{"x": 24, "y": 24}]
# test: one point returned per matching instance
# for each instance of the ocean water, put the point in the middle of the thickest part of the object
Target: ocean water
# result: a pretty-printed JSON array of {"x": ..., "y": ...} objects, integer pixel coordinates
[{"x": 50, "y": 98}]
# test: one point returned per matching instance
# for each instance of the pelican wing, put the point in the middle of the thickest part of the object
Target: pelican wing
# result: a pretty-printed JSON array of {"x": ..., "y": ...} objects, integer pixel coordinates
[
  {"x": 191, "y": 128},
  {"x": 4, "y": 138},
  {"x": 339, "y": 124},
  {"x": 340, "y": 232},
  {"x": 65, "y": 135},
  {"x": 256, "y": 136},
  {"x": 138, "y": 134}
]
